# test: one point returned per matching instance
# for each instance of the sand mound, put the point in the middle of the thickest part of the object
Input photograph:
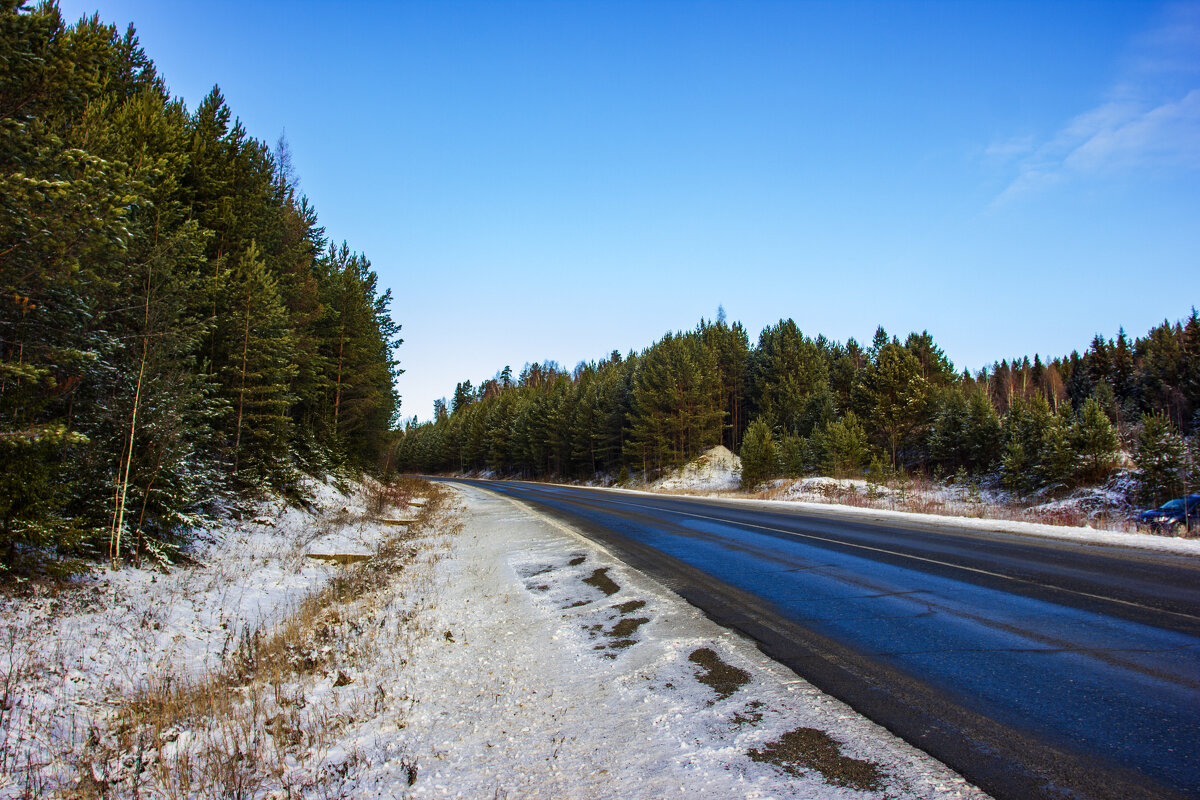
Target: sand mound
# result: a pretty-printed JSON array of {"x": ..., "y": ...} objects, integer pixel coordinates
[{"x": 717, "y": 468}]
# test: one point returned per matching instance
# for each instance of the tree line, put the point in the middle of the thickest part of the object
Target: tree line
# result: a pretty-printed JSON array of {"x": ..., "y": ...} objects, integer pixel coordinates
[
  {"x": 176, "y": 331},
  {"x": 792, "y": 405}
]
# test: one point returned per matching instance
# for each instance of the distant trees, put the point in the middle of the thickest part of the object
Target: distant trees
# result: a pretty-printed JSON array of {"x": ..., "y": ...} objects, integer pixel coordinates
[
  {"x": 173, "y": 327},
  {"x": 794, "y": 405}
]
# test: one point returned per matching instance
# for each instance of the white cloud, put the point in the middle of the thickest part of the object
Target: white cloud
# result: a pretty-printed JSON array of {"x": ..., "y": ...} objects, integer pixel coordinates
[
  {"x": 1151, "y": 121},
  {"x": 1167, "y": 135}
]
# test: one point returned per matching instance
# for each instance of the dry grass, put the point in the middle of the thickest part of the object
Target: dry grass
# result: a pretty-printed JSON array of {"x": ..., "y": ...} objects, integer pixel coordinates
[
  {"x": 920, "y": 494},
  {"x": 268, "y": 719}
]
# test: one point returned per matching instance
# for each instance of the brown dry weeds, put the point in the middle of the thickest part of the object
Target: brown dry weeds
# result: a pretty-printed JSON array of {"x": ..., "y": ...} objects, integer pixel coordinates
[{"x": 234, "y": 732}]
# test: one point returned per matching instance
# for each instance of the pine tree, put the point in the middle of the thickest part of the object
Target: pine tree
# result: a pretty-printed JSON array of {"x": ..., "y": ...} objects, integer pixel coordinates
[
  {"x": 1025, "y": 430},
  {"x": 759, "y": 455},
  {"x": 896, "y": 396},
  {"x": 983, "y": 433},
  {"x": 843, "y": 446},
  {"x": 1016, "y": 467},
  {"x": 786, "y": 367},
  {"x": 936, "y": 369},
  {"x": 730, "y": 346},
  {"x": 1095, "y": 440},
  {"x": 63, "y": 214},
  {"x": 818, "y": 410},
  {"x": 676, "y": 403},
  {"x": 795, "y": 455},
  {"x": 948, "y": 435}
]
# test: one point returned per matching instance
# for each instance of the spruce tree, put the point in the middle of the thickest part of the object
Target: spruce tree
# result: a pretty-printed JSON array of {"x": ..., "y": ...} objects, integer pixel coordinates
[
  {"x": 983, "y": 433},
  {"x": 256, "y": 374},
  {"x": 1059, "y": 460},
  {"x": 1159, "y": 455}
]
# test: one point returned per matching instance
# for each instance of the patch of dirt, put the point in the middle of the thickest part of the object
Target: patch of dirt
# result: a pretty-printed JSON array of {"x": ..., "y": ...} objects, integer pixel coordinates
[
  {"x": 631, "y": 606},
  {"x": 804, "y": 749},
  {"x": 626, "y": 627},
  {"x": 724, "y": 679},
  {"x": 576, "y": 561},
  {"x": 599, "y": 579}
]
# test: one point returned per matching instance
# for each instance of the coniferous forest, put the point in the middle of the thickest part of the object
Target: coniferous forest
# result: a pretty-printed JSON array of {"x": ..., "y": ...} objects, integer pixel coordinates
[
  {"x": 793, "y": 405},
  {"x": 176, "y": 332}
]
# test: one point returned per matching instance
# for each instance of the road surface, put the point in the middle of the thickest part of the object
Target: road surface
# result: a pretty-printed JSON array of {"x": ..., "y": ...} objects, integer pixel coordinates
[{"x": 1037, "y": 668}]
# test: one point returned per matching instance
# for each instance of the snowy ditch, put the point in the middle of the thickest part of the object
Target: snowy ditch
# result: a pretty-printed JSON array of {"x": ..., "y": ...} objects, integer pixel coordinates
[{"x": 471, "y": 648}]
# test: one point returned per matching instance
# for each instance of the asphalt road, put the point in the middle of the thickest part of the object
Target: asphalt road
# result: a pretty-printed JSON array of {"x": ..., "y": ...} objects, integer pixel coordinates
[{"x": 1036, "y": 668}]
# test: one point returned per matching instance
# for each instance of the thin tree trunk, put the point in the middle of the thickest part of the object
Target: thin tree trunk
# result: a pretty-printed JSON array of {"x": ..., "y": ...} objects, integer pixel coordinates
[
  {"x": 115, "y": 537},
  {"x": 114, "y": 540}
]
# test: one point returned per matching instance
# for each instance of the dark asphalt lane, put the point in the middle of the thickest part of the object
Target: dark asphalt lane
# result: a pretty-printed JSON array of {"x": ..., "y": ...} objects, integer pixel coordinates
[{"x": 1037, "y": 668}]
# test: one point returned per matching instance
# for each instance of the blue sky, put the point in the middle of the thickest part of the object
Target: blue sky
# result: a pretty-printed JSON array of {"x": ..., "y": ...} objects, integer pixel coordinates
[{"x": 556, "y": 180}]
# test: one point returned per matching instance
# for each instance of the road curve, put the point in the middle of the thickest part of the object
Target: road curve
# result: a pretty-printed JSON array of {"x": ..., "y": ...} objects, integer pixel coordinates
[{"x": 1037, "y": 668}]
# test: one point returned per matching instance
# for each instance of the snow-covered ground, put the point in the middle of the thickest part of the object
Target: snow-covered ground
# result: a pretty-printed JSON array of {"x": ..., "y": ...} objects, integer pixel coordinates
[
  {"x": 498, "y": 655},
  {"x": 561, "y": 673},
  {"x": 70, "y": 655},
  {"x": 959, "y": 507}
]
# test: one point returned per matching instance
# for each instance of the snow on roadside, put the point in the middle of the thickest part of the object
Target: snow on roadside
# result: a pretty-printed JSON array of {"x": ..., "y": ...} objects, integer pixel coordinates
[
  {"x": 1079, "y": 534},
  {"x": 555, "y": 671},
  {"x": 512, "y": 659},
  {"x": 718, "y": 471},
  {"x": 1082, "y": 535},
  {"x": 67, "y": 655}
]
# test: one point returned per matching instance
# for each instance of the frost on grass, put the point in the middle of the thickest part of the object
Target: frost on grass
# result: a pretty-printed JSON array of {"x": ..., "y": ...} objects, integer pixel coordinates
[
  {"x": 478, "y": 652},
  {"x": 225, "y": 678}
]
